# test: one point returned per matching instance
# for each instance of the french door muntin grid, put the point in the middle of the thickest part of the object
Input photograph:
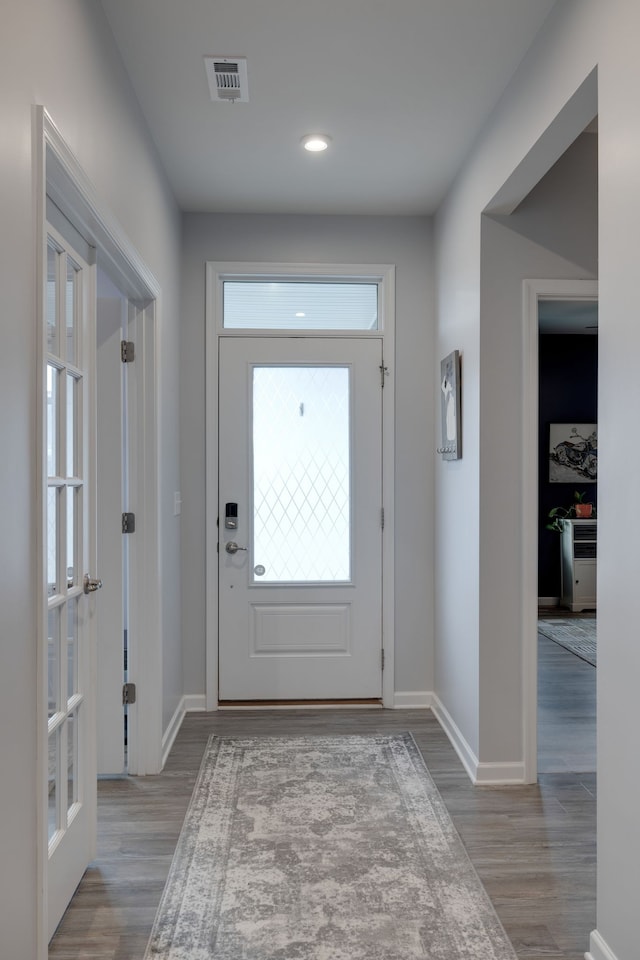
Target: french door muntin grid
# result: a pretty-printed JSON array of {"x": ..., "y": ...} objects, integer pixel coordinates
[{"x": 66, "y": 466}]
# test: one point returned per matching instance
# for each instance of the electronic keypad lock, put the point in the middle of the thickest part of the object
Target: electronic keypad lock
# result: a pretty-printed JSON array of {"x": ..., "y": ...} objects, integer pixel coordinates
[{"x": 231, "y": 516}]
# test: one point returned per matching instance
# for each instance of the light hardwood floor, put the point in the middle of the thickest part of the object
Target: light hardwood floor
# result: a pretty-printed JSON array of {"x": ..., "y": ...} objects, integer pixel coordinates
[{"x": 533, "y": 847}]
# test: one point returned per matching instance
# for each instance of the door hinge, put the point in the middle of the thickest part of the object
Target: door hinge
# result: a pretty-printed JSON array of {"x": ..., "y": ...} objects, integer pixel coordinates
[
  {"x": 128, "y": 523},
  {"x": 127, "y": 351},
  {"x": 382, "y": 518},
  {"x": 128, "y": 693},
  {"x": 382, "y": 659},
  {"x": 384, "y": 372}
]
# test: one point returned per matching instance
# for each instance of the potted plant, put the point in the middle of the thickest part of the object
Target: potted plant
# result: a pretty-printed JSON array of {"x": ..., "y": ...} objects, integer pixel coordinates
[{"x": 581, "y": 509}]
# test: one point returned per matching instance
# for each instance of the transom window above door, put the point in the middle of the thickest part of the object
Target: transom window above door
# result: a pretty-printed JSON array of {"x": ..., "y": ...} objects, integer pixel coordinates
[
  {"x": 299, "y": 305},
  {"x": 312, "y": 299}
]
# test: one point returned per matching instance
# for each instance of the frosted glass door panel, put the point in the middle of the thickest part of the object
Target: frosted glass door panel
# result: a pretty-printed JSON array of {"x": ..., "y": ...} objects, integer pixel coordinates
[{"x": 301, "y": 474}]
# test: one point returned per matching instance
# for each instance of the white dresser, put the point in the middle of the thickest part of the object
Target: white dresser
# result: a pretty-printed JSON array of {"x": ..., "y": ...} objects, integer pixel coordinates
[{"x": 579, "y": 553}]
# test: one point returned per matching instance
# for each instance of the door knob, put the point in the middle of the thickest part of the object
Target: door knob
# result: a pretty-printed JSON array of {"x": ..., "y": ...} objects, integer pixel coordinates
[
  {"x": 232, "y": 547},
  {"x": 90, "y": 585}
]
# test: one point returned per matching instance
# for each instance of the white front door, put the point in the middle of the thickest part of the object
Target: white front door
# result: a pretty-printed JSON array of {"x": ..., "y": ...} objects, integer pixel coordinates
[
  {"x": 300, "y": 519},
  {"x": 69, "y": 545}
]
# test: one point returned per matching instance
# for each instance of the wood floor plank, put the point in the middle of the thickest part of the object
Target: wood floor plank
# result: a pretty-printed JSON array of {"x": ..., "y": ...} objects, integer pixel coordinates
[{"x": 533, "y": 847}]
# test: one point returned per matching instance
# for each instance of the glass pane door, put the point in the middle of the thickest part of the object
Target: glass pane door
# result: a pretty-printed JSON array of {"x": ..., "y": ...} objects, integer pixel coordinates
[
  {"x": 301, "y": 474},
  {"x": 66, "y": 543},
  {"x": 65, "y": 482}
]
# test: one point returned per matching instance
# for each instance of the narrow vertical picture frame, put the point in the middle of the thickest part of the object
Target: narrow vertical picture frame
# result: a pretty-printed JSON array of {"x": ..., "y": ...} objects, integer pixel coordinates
[{"x": 451, "y": 419}]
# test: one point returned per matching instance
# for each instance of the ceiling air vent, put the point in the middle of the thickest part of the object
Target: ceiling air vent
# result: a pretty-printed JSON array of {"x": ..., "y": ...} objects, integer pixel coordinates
[{"x": 227, "y": 78}]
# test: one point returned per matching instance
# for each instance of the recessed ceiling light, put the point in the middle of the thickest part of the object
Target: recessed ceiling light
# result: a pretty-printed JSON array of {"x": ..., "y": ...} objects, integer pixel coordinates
[
  {"x": 316, "y": 142},
  {"x": 300, "y": 314}
]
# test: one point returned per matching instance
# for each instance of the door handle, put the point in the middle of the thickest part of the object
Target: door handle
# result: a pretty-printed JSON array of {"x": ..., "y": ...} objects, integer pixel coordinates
[
  {"x": 232, "y": 547},
  {"x": 89, "y": 585}
]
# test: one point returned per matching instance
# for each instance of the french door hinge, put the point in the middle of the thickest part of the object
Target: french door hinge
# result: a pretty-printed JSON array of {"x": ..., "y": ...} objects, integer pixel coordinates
[
  {"x": 382, "y": 518},
  {"x": 384, "y": 372},
  {"x": 128, "y": 693},
  {"x": 382, "y": 659},
  {"x": 128, "y": 523},
  {"x": 127, "y": 351}
]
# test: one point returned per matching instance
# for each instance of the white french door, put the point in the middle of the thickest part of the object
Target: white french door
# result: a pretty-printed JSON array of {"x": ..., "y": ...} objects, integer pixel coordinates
[
  {"x": 69, "y": 545},
  {"x": 300, "y": 518}
]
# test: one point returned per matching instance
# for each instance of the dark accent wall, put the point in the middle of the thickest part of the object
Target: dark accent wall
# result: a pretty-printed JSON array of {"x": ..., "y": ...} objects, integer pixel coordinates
[{"x": 568, "y": 394}]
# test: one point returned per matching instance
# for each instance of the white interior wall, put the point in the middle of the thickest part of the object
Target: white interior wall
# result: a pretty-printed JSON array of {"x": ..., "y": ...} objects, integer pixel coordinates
[
  {"x": 560, "y": 214},
  {"x": 580, "y": 36},
  {"x": 507, "y": 259},
  {"x": 61, "y": 55},
  {"x": 618, "y": 524},
  {"x": 404, "y": 241},
  {"x": 517, "y": 130}
]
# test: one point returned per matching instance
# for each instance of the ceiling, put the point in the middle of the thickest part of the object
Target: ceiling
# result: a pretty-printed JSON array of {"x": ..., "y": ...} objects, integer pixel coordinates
[{"x": 403, "y": 87}]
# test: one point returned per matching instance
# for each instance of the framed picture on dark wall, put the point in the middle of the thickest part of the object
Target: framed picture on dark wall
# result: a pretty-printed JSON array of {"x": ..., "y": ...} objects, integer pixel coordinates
[
  {"x": 451, "y": 448},
  {"x": 573, "y": 452}
]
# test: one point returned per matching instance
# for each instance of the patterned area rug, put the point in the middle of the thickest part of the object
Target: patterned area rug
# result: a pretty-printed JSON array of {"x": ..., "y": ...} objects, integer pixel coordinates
[
  {"x": 322, "y": 848},
  {"x": 576, "y": 635}
]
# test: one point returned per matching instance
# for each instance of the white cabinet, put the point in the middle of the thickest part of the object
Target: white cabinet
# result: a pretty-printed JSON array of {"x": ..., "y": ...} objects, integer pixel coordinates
[{"x": 579, "y": 552}]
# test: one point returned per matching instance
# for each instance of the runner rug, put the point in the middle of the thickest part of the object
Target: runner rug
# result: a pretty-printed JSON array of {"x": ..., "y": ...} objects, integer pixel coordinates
[
  {"x": 321, "y": 848},
  {"x": 577, "y": 635}
]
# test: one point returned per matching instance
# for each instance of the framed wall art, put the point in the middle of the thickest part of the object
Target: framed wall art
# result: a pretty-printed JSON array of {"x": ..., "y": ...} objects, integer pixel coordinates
[
  {"x": 451, "y": 419},
  {"x": 573, "y": 452}
]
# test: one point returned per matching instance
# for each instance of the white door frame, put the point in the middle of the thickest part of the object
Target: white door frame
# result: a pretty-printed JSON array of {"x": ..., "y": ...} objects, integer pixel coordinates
[
  {"x": 532, "y": 292},
  {"x": 216, "y": 272},
  {"x": 58, "y": 174}
]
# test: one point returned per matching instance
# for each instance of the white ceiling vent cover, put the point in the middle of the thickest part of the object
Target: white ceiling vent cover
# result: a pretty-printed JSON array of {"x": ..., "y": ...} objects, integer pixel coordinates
[{"x": 227, "y": 78}]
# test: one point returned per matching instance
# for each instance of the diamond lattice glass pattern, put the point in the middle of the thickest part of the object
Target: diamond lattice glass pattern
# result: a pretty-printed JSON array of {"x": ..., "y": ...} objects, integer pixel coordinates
[{"x": 301, "y": 474}]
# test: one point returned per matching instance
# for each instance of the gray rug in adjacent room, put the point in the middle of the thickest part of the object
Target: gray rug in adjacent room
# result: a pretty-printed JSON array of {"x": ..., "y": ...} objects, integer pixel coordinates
[
  {"x": 322, "y": 848},
  {"x": 576, "y": 635}
]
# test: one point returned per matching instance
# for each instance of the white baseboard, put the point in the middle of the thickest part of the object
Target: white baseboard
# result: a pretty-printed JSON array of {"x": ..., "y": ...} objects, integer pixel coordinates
[
  {"x": 187, "y": 704},
  {"x": 458, "y": 742},
  {"x": 172, "y": 731},
  {"x": 194, "y": 702},
  {"x": 598, "y": 949},
  {"x": 499, "y": 774},
  {"x": 480, "y": 774},
  {"x": 548, "y": 601},
  {"x": 412, "y": 700}
]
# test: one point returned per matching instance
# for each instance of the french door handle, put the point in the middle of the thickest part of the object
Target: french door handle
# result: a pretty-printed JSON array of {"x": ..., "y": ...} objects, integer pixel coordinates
[
  {"x": 89, "y": 585},
  {"x": 232, "y": 547}
]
